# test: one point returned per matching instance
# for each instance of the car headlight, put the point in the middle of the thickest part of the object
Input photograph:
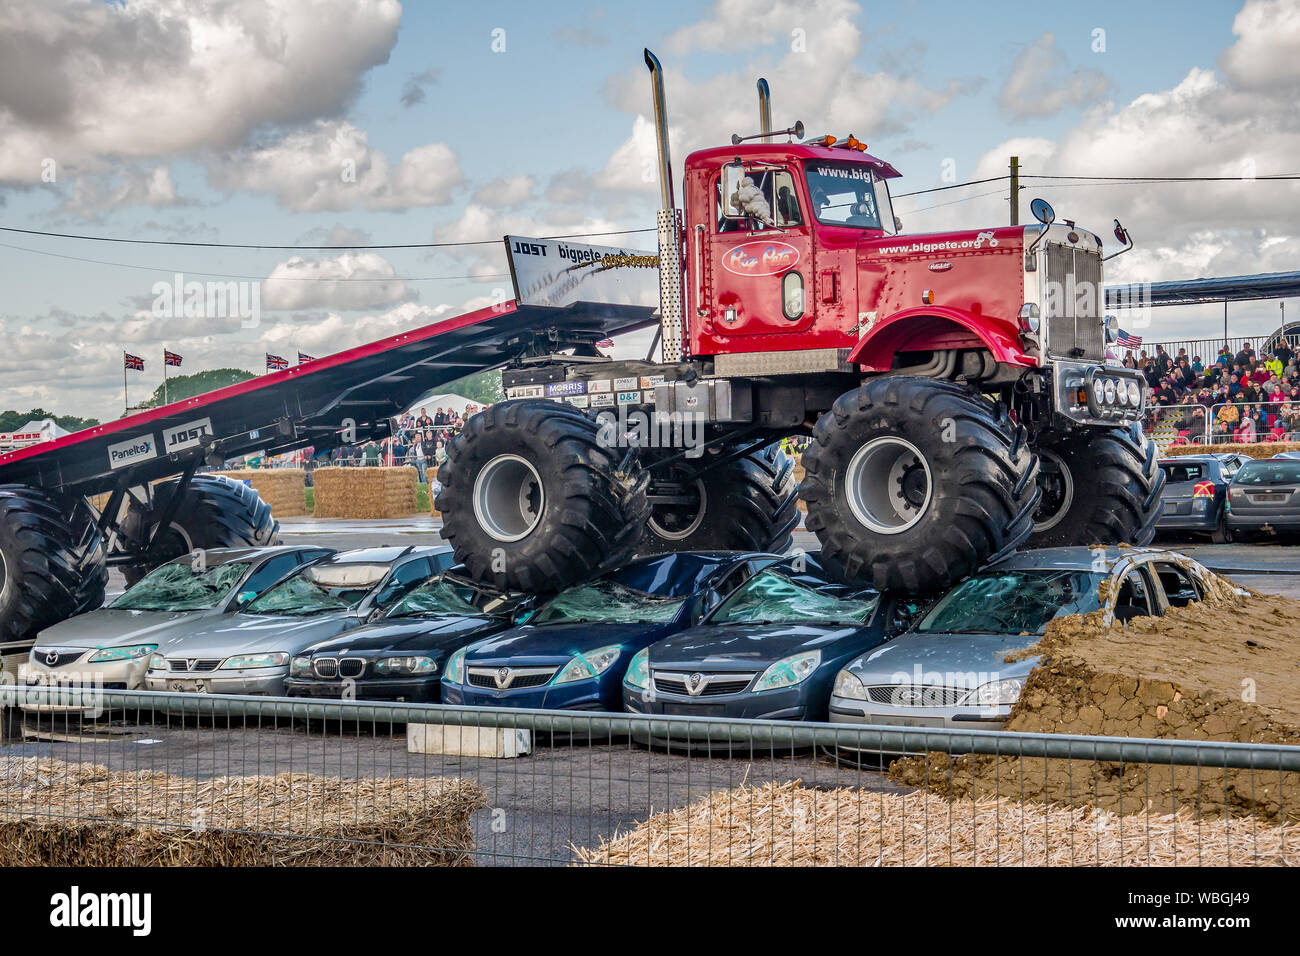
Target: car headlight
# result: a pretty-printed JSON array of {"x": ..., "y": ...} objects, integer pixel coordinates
[
  {"x": 849, "y": 685},
  {"x": 996, "y": 693},
  {"x": 789, "y": 671},
  {"x": 246, "y": 661},
  {"x": 157, "y": 663},
  {"x": 454, "y": 673},
  {"x": 588, "y": 665},
  {"x": 129, "y": 653},
  {"x": 300, "y": 667},
  {"x": 390, "y": 666},
  {"x": 638, "y": 670}
]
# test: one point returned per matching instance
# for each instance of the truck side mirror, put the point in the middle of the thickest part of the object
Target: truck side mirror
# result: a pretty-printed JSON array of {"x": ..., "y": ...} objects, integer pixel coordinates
[{"x": 732, "y": 174}]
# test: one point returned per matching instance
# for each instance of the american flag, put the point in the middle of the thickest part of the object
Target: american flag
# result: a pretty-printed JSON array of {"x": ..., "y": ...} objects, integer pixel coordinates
[
  {"x": 605, "y": 344},
  {"x": 275, "y": 363},
  {"x": 1126, "y": 341},
  {"x": 171, "y": 358},
  {"x": 303, "y": 358},
  {"x": 133, "y": 362}
]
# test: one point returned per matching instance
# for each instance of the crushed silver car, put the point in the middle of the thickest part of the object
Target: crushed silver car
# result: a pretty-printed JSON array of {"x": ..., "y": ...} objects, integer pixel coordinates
[{"x": 249, "y": 651}]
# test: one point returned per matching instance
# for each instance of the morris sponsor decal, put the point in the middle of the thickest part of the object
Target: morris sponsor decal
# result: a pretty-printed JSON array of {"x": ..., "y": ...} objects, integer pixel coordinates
[
  {"x": 761, "y": 257},
  {"x": 132, "y": 450}
]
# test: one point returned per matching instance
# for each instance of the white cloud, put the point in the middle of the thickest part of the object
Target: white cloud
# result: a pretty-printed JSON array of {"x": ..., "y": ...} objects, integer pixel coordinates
[
  {"x": 807, "y": 50},
  {"x": 85, "y": 83},
  {"x": 506, "y": 191},
  {"x": 1041, "y": 83},
  {"x": 330, "y": 166},
  {"x": 344, "y": 282},
  {"x": 94, "y": 194}
]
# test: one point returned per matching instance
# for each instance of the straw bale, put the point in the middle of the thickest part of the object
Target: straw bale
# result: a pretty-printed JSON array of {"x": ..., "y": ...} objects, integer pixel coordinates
[
  {"x": 56, "y": 813},
  {"x": 792, "y": 825},
  {"x": 1264, "y": 449},
  {"x": 363, "y": 492},
  {"x": 284, "y": 489}
]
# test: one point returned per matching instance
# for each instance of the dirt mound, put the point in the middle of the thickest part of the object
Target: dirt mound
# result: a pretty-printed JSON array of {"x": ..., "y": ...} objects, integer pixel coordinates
[
  {"x": 792, "y": 825},
  {"x": 1226, "y": 669}
]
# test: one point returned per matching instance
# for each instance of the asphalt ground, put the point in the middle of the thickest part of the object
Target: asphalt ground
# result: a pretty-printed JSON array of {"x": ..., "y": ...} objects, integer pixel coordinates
[{"x": 566, "y": 793}]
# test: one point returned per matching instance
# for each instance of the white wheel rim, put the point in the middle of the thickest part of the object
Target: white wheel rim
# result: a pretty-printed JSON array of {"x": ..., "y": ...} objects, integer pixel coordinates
[
  {"x": 1067, "y": 493},
  {"x": 873, "y": 485},
  {"x": 508, "y": 498},
  {"x": 689, "y": 529}
]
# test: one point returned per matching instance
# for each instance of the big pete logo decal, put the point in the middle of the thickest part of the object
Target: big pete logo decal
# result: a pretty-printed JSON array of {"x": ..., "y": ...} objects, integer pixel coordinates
[
  {"x": 186, "y": 436},
  {"x": 760, "y": 258},
  {"x": 132, "y": 450}
]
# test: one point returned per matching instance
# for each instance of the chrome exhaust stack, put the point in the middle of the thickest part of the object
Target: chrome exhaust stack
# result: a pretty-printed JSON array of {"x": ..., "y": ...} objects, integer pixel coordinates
[
  {"x": 669, "y": 228},
  {"x": 764, "y": 110}
]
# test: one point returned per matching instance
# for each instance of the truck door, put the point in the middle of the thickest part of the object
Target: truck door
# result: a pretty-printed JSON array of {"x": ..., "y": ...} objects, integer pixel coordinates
[{"x": 760, "y": 256}]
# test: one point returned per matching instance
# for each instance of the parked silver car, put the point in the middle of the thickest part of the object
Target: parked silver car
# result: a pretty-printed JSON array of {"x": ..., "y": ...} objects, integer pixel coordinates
[
  {"x": 109, "y": 648},
  {"x": 249, "y": 651},
  {"x": 950, "y": 668}
]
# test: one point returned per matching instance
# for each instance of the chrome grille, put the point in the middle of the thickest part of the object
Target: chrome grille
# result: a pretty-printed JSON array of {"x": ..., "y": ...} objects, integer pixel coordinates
[
  {"x": 1072, "y": 302},
  {"x": 513, "y": 678},
  {"x": 326, "y": 667},
  {"x": 192, "y": 665},
  {"x": 352, "y": 667},
  {"x": 916, "y": 695},
  {"x": 697, "y": 684}
]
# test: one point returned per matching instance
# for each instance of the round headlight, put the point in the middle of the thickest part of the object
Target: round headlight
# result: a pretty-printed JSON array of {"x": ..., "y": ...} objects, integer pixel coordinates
[
  {"x": 1121, "y": 393},
  {"x": 1098, "y": 391},
  {"x": 1134, "y": 394},
  {"x": 1110, "y": 391}
]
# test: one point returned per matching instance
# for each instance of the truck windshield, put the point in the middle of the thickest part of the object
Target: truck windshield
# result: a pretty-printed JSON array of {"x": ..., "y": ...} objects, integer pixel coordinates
[
  {"x": 842, "y": 194},
  {"x": 177, "y": 587},
  {"x": 1013, "y": 602}
]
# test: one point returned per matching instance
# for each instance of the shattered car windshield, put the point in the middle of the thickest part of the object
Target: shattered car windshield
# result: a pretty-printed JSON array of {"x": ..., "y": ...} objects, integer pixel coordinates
[
  {"x": 1269, "y": 472},
  {"x": 773, "y": 597},
  {"x": 320, "y": 588},
  {"x": 607, "y": 602},
  {"x": 1013, "y": 602},
  {"x": 439, "y": 596},
  {"x": 177, "y": 587}
]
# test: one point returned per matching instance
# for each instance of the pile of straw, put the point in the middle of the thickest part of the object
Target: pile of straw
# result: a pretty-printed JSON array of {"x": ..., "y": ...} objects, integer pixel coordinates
[
  {"x": 1266, "y": 449},
  {"x": 364, "y": 492},
  {"x": 54, "y": 813},
  {"x": 791, "y": 825},
  {"x": 284, "y": 489}
]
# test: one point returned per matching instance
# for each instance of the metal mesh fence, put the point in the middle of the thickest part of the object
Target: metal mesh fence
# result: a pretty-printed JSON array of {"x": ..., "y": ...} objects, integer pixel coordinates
[{"x": 175, "y": 778}]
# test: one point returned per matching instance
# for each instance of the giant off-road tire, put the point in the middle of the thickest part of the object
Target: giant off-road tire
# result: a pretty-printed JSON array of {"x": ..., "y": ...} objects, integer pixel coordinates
[
  {"x": 914, "y": 483},
  {"x": 749, "y": 504},
  {"x": 51, "y": 561},
  {"x": 215, "y": 512},
  {"x": 1100, "y": 486},
  {"x": 535, "y": 498}
]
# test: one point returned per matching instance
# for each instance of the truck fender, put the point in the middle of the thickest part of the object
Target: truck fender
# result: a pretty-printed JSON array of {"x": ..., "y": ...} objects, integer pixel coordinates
[{"x": 936, "y": 327}]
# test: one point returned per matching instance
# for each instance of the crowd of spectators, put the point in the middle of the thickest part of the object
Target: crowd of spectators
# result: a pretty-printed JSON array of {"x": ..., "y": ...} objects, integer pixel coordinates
[
  {"x": 419, "y": 440},
  {"x": 1244, "y": 397}
]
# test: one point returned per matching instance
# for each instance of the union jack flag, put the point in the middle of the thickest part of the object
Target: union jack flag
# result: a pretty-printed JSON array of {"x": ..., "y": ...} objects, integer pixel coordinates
[
  {"x": 133, "y": 362},
  {"x": 274, "y": 363},
  {"x": 171, "y": 358},
  {"x": 1126, "y": 341},
  {"x": 303, "y": 358}
]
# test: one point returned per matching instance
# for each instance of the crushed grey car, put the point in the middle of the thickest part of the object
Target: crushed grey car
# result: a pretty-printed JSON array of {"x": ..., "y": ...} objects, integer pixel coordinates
[
  {"x": 109, "y": 648},
  {"x": 950, "y": 669},
  {"x": 249, "y": 652}
]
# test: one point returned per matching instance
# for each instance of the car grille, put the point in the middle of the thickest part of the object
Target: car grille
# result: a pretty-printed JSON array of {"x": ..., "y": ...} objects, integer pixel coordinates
[
  {"x": 1073, "y": 312},
  {"x": 916, "y": 695},
  {"x": 352, "y": 667},
  {"x": 192, "y": 665},
  {"x": 54, "y": 656},
  {"x": 326, "y": 667},
  {"x": 709, "y": 685},
  {"x": 516, "y": 678}
]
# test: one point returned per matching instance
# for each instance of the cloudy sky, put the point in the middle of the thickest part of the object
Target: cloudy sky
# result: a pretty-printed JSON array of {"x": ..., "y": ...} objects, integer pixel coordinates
[{"x": 296, "y": 122}]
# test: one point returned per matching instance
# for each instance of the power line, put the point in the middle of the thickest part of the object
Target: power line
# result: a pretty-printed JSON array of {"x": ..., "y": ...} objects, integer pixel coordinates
[
  {"x": 939, "y": 189},
  {"x": 230, "y": 275},
  {"x": 1171, "y": 179},
  {"x": 249, "y": 245}
]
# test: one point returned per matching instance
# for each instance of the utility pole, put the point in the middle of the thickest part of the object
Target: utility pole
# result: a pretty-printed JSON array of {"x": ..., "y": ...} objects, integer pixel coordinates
[{"x": 1015, "y": 190}]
